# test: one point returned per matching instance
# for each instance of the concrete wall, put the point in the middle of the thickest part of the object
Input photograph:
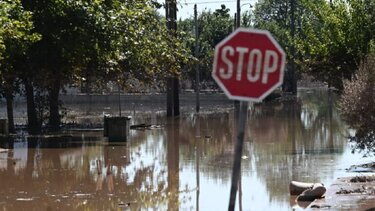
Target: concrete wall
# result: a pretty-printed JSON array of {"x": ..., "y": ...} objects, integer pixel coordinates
[{"x": 185, "y": 98}]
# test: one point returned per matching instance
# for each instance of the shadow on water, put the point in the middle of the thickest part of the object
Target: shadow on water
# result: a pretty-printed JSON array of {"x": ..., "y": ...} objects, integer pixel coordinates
[{"x": 186, "y": 164}]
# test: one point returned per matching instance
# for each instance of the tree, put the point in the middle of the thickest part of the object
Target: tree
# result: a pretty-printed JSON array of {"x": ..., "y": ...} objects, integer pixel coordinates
[
  {"x": 358, "y": 98},
  {"x": 15, "y": 38},
  {"x": 334, "y": 40},
  {"x": 100, "y": 41},
  {"x": 356, "y": 105},
  {"x": 283, "y": 20},
  {"x": 145, "y": 50},
  {"x": 61, "y": 25},
  {"x": 330, "y": 38},
  {"x": 212, "y": 28}
]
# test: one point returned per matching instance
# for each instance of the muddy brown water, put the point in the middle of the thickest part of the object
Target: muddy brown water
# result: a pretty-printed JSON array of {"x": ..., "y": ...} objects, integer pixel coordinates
[{"x": 184, "y": 165}]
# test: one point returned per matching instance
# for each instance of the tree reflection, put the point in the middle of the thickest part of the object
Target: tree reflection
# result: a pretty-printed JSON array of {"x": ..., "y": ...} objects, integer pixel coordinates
[
  {"x": 215, "y": 143},
  {"x": 69, "y": 177},
  {"x": 173, "y": 150},
  {"x": 288, "y": 135},
  {"x": 148, "y": 172}
]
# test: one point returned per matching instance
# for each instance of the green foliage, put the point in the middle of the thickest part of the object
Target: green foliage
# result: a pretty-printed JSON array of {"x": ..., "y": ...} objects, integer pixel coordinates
[
  {"x": 104, "y": 40},
  {"x": 15, "y": 33},
  {"x": 16, "y": 36},
  {"x": 212, "y": 28},
  {"x": 147, "y": 50},
  {"x": 336, "y": 40},
  {"x": 274, "y": 16},
  {"x": 330, "y": 40},
  {"x": 53, "y": 43}
]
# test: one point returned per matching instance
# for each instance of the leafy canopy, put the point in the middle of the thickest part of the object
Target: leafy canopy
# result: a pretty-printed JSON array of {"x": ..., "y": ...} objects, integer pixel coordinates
[{"x": 330, "y": 39}]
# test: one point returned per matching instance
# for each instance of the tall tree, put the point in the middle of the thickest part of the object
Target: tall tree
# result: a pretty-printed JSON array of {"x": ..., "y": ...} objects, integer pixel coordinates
[
  {"x": 334, "y": 39},
  {"x": 328, "y": 40},
  {"x": 212, "y": 28},
  {"x": 281, "y": 18},
  {"x": 15, "y": 38},
  {"x": 99, "y": 40}
]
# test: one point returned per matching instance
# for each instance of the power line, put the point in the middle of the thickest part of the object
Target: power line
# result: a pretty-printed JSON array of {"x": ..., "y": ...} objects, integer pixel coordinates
[{"x": 207, "y": 2}]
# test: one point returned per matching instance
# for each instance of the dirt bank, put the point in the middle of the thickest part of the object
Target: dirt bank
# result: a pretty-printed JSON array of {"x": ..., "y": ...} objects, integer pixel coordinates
[{"x": 349, "y": 193}]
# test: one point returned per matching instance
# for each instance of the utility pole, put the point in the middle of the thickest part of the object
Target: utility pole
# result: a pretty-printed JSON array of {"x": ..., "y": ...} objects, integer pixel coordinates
[
  {"x": 197, "y": 81},
  {"x": 237, "y": 18},
  {"x": 240, "y": 126},
  {"x": 238, "y": 22},
  {"x": 173, "y": 102},
  {"x": 119, "y": 99},
  {"x": 292, "y": 48}
]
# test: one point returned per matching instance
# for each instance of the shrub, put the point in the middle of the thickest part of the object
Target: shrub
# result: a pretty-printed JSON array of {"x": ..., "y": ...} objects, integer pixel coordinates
[{"x": 357, "y": 103}]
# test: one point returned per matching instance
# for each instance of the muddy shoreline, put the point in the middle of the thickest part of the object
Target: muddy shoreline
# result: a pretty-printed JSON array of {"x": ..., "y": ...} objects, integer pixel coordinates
[{"x": 348, "y": 193}]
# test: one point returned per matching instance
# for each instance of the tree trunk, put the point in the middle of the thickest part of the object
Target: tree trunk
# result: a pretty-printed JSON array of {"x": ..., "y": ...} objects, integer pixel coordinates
[
  {"x": 54, "y": 116},
  {"x": 9, "y": 99},
  {"x": 170, "y": 96},
  {"x": 173, "y": 101},
  {"x": 34, "y": 126},
  {"x": 292, "y": 48},
  {"x": 176, "y": 98}
]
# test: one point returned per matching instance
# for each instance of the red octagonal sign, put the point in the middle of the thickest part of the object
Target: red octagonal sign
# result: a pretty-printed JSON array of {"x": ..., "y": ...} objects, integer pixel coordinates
[{"x": 248, "y": 65}]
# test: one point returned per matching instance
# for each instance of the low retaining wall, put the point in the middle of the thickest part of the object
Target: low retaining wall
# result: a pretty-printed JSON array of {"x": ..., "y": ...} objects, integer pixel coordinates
[{"x": 185, "y": 98}]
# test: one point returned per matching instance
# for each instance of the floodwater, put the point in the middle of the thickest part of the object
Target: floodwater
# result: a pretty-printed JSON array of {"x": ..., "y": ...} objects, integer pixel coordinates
[{"x": 184, "y": 165}]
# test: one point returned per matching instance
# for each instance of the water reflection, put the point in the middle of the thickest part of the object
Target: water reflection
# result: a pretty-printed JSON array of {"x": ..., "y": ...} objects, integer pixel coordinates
[
  {"x": 184, "y": 165},
  {"x": 296, "y": 141}
]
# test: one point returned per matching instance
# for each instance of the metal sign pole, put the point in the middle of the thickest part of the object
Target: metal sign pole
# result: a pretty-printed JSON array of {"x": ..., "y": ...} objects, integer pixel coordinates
[{"x": 238, "y": 154}]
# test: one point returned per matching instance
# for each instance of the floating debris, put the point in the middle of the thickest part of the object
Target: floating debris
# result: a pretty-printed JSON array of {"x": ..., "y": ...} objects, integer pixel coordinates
[
  {"x": 145, "y": 127},
  {"x": 321, "y": 206},
  {"x": 83, "y": 195},
  {"x": 2, "y": 150},
  {"x": 358, "y": 190},
  {"x": 364, "y": 168},
  {"x": 122, "y": 204},
  {"x": 362, "y": 179},
  {"x": 25, "y": 199}
]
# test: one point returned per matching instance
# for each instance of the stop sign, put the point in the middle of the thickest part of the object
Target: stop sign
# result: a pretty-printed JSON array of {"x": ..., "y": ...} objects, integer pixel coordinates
[{"x": 248, "y": 65}]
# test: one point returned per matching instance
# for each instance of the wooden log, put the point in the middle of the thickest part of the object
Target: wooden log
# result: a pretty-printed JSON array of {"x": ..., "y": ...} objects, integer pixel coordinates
[
  {"x": 296, "y": 188},
  {"x": 2, "y": 150},
  {"x": 316, "y": 192}
]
